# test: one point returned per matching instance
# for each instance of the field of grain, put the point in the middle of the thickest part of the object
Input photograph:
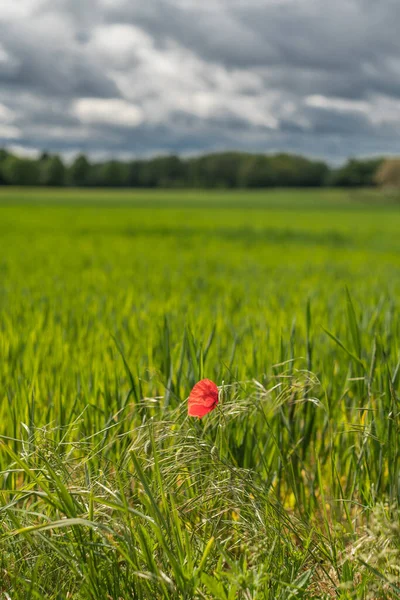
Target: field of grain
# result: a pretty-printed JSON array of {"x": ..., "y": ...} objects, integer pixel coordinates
[{"x": 112, "y": 305}]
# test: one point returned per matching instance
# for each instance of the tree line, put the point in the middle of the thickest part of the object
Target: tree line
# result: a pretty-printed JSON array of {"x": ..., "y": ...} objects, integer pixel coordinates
[{"x": 220, "y": 170}]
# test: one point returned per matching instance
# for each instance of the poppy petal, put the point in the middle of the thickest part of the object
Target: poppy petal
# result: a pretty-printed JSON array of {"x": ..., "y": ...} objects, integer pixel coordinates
[{"x": 203, "y": 398}]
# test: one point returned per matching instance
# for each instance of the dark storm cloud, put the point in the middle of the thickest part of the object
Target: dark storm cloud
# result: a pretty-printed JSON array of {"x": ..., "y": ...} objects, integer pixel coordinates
[
  {"x": 335, "y": 37},
  {"x": 120, "y": 77},
  {"x": 46, "y": 65}
]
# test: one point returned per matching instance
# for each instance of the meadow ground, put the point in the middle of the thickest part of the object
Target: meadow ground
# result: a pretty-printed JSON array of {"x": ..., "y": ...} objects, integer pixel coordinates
[{"x": 112, "y": 305}]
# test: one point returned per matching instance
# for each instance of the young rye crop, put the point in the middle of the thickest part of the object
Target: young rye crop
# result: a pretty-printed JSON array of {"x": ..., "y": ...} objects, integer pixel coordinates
[{"x": 113, "y": 305}]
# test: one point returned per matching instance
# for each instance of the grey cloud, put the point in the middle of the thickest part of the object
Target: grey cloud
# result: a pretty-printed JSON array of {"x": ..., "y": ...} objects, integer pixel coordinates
[
  {"x": 338, "y": 48},
  {"x": 48, "y": 65},
  {"x": 311, "y": 34},
  {"x": 336, "y": 123}
]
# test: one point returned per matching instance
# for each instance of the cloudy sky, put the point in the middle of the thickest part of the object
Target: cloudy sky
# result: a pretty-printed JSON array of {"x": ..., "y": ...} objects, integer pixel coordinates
[{"x": 141, "y": 77}]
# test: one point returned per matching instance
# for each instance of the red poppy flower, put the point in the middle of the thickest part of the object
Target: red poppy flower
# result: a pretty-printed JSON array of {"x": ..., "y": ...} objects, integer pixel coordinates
[{"x": 203, "y": 398}]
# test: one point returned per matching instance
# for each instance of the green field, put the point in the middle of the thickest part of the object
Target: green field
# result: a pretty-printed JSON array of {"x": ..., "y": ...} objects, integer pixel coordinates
[{"x": 112, "y": 305}]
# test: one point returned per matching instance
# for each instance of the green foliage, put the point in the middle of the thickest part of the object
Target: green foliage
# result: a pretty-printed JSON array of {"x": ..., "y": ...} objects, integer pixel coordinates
[
  {"x": 20, "y": 171},
  {"x": 110, "y": 174},
  {"x": 226, "y": 170},
  {"x": 80, "y": 171},
  {"x": 112, "y": 304},
  {"x": 3, "y": 156},
  {"x": 215, "y": 170},
  {"x": 52, "y": 171},
  {"x": 355, "y": 173},
  {"x": 295, "y": 171}
]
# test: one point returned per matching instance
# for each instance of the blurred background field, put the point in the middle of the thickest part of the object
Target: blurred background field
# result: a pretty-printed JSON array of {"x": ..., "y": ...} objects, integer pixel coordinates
[
  {"x": 80, "y": 267},
  {"x": 110, "y": 297}
]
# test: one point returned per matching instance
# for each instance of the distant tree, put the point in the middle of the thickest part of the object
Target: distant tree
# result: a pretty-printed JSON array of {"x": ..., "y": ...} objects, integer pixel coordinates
[
  {"x": 162, "y": 171},
  {"x": 296, "y": 171},
  {"x": 255, "y": 172},
  {"x": 283, "y": 170},
  {"x": 168, "y": 171},
  {"x": 355, "y": 173},
  {"x": 388, "y": 173},
  {"x": 44, "y": 156},
  {"x": 134, "y": 173},
  {"x": 21, "y": 171},
  {"x": 218, "y": 170},
  {"x": 80, "y": 171},
  {"x": 3, "y": 155},
  {"x": 315, "y": 174},
  {"x": 147, "y": 174},
  {"x": 215, "y": 170},
  {"x": 52, "y": 171},
  {"x": 111, "y": 174}
]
